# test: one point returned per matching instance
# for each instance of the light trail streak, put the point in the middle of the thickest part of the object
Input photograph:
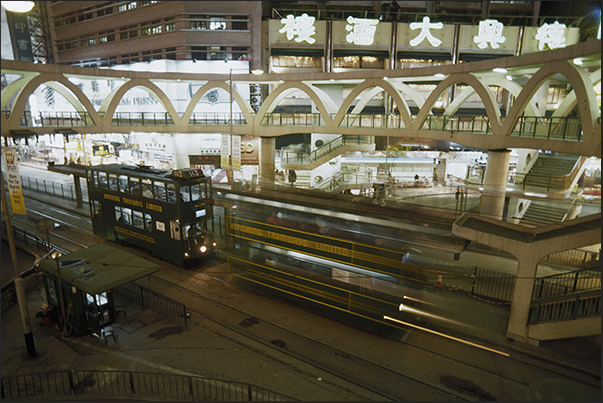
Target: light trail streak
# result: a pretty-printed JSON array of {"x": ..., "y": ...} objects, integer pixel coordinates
[{"x": 445, "y": 335}]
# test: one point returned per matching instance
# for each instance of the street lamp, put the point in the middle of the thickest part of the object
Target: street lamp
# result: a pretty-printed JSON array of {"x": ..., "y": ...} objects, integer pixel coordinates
[{"x": 256, "y": 72}]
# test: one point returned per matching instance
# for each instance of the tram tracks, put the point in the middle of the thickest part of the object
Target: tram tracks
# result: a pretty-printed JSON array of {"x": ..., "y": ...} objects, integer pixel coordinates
[{"x": 328, "y": 360}]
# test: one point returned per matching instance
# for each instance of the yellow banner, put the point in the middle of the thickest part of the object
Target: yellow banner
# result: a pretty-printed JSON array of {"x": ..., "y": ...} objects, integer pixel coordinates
[{"x": 13, "y": 180}]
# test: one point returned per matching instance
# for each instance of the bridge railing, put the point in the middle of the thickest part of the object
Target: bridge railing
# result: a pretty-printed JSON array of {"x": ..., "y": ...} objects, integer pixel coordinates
[
  {"x": 570, "y": 306},
  {"x": 204, "y": 119},
  {"x": 553, "y": 128},
  {"x": 55, "y": 119},
  {"x": 141, "y": 119},
  {"x": 568, "y": 283}
]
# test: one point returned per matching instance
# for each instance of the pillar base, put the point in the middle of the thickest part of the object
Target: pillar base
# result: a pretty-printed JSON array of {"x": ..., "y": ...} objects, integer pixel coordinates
[{"x": 523, "y": 339}]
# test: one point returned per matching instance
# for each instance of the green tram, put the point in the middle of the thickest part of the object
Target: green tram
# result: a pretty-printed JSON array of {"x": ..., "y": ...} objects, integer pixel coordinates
[{"x": 163, "y": 212}]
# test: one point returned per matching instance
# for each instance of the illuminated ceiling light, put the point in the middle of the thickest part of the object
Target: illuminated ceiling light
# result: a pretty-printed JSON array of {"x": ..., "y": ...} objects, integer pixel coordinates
[
  {"x": 385, "y": 78},
  {"x": 439, "y": 75},
  {"x": 499, "y": 70},
  {"x": 578, "y": 61},
  {"x": 18, "y": 6},
  {"x": 257, "y": 72},
  {"x": 509, "y": 78}
]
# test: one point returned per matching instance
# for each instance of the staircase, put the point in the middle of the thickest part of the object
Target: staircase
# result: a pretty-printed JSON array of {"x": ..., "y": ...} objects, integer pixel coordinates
[
  {"x": 551, "y": 172},
  {"x": 541, "y": 214}
]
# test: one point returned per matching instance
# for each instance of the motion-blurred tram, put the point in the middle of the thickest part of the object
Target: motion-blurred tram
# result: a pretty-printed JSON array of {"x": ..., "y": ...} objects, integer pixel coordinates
[
  {"x": 163, "y": 212},
  {"x": 352, "y": 263}
]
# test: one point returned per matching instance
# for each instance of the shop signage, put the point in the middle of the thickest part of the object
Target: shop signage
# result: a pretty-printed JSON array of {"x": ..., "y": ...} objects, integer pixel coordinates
[
  {"x": 224, "y": 150},
  {"x": 490, "y": 32},
  {"x": 425, "y": 33},
  {"x": 13, "y": 180},
  {"x": 552, "y": 35},
  {"x": 100, "y": 150},
  {"x": 300, "y": 28},
  {"x": 361, "y": 30},
  {"x": 236, "y": 152}
]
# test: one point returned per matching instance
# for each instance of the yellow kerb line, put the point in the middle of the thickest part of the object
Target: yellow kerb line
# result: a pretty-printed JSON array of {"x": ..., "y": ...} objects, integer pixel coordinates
[{"x": 445, "y": 335}]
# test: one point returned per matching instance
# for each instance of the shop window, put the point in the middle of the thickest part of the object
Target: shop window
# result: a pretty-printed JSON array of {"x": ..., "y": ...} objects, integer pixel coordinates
[
  {"x": 159, "y": 191},
  {"x": 138, "y": 222},
  {"x": 123, "y": 183},
  {"x": 296, "y": 61}
]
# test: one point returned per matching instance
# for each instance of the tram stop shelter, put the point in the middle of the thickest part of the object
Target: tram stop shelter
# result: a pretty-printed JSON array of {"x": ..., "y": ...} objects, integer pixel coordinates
[{"x": 80, "y": 285}]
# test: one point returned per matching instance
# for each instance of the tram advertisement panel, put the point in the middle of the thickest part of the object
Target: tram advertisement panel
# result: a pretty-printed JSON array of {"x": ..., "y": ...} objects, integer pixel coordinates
[
  {"x": 349, "y": 252},
  {"x": 311, "y": 290}
]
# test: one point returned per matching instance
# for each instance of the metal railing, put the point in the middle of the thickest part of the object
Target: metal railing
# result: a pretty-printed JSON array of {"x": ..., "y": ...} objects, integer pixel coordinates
[
  {"x": 55, "y": 119},
  {"x": 551, "y": 128},
  {"x": 154, "y": 301},
  {"x": 574, "y": 257},
  {"x": 293, "y": 119},
  {"x": 492, "y": 284},
  {"x": 568, "y": 283},
  {"x": 52, "y": 188},
  {"x": 31, "y": 279},
  {"x": 571, "y": 306},
  {"x": 141, "y": 119},
  {"x": 130, "y": 385},
  {"x": 203, "y": 119},
  {"x": 296, "y": 157}
]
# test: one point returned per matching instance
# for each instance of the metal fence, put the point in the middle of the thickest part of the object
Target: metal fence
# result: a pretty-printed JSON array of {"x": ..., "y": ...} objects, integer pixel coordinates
[
  {"x": 52, "y": 188},
  {"x": 492, "y": 284},
  {"x": 131, "y": 385},
  {"x": 568, "y": 283},
  {"x": 154, "y": 301},
  {"x": 31, "y": 279},
  {"x": 571, "y": 306}
]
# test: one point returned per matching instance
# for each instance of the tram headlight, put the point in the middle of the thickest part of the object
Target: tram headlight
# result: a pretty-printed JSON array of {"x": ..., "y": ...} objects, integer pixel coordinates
[
  {"x": 186, "y": 254},
  {"x": 203, "y": 248},
  {"x": 214, "y": 244}
]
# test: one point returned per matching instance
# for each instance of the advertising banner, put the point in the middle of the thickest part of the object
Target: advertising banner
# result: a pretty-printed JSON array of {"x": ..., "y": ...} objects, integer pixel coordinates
[
  {"x": 13, "y": 180},
  {"x": 236, "y": 152},
  {"x": 225, "y": 150}
]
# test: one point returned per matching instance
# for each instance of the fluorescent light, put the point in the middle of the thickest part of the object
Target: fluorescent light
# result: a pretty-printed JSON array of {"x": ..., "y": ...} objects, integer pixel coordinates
[
  {"x": 439, "y": 75},
  {"x": 18, "y": 6},
  {"x": 578, "y": 61},
  {"x": 509, "y": 78},
  {"x": 499, "y": 70},
  {"x": 257, "y": 72}
]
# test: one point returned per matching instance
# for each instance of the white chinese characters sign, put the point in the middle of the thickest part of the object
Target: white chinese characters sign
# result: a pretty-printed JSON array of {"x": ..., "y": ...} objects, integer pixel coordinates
[
  {"x": 425, "y": 32},
  {"x": 361, "y": 30},
  {"x": 552, "y": 35},
  {"x": 490, "y": 32},
  {"x": 300, "y": 28}
]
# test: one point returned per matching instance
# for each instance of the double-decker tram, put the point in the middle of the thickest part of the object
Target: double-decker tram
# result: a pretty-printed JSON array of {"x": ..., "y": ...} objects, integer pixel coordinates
[{"x": 163, "y": 212}]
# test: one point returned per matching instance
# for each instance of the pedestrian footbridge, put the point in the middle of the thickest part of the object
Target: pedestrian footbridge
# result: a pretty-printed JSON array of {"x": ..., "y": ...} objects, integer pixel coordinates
[{"x": 573, "y": 128}]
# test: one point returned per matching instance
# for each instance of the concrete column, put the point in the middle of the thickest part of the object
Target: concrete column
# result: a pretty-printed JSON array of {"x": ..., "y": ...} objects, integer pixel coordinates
[
  {"x": 267, "y": 153},
  {"x": 78, "y": 191},
  {"x": 517, "y": 327},
  {"x": 495, "y": 182}
]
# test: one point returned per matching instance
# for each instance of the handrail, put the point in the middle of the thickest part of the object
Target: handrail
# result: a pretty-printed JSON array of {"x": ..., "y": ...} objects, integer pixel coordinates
[
  {"x": 580, "y": 280},
  {"x": 570, "y": 306},
  {"x": 112, "y": 384}
]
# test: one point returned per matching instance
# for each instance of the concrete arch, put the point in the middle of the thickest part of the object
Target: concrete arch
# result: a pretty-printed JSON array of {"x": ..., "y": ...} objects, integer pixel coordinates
[
  {"x": 327, "y": 100},
  {"x": 478, "y": 85},
  {"x": 512, "y": 87},
  {"x": 410, "y": 92},
  {"x": 71, "y": 92},
  {"x": 579, "y": 80},
  {"x": 148, "y": 86},
  {"x": 236, "y": 96},
  {"x": 569, "y": 102},
  {"x": 287, "y": 88},
  {"x": 383, "y": 85},
  {"x": 15, "y": 87}
]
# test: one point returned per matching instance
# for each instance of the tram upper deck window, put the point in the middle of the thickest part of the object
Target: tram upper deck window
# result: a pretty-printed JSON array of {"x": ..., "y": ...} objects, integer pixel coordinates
[
  {"x": 113, "y": 182},
  {"x": 185, "y": 194},
  {"x": 135, "y": 186},
  {"x": 123, "y": 183},
  {"x": 196, "y": 192},
  {"x": 159, "y": 191},
  {"x": 171, "y": 193},
  {"x": 147, "y": 188},
  {"x": 102, "y": 180}
]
